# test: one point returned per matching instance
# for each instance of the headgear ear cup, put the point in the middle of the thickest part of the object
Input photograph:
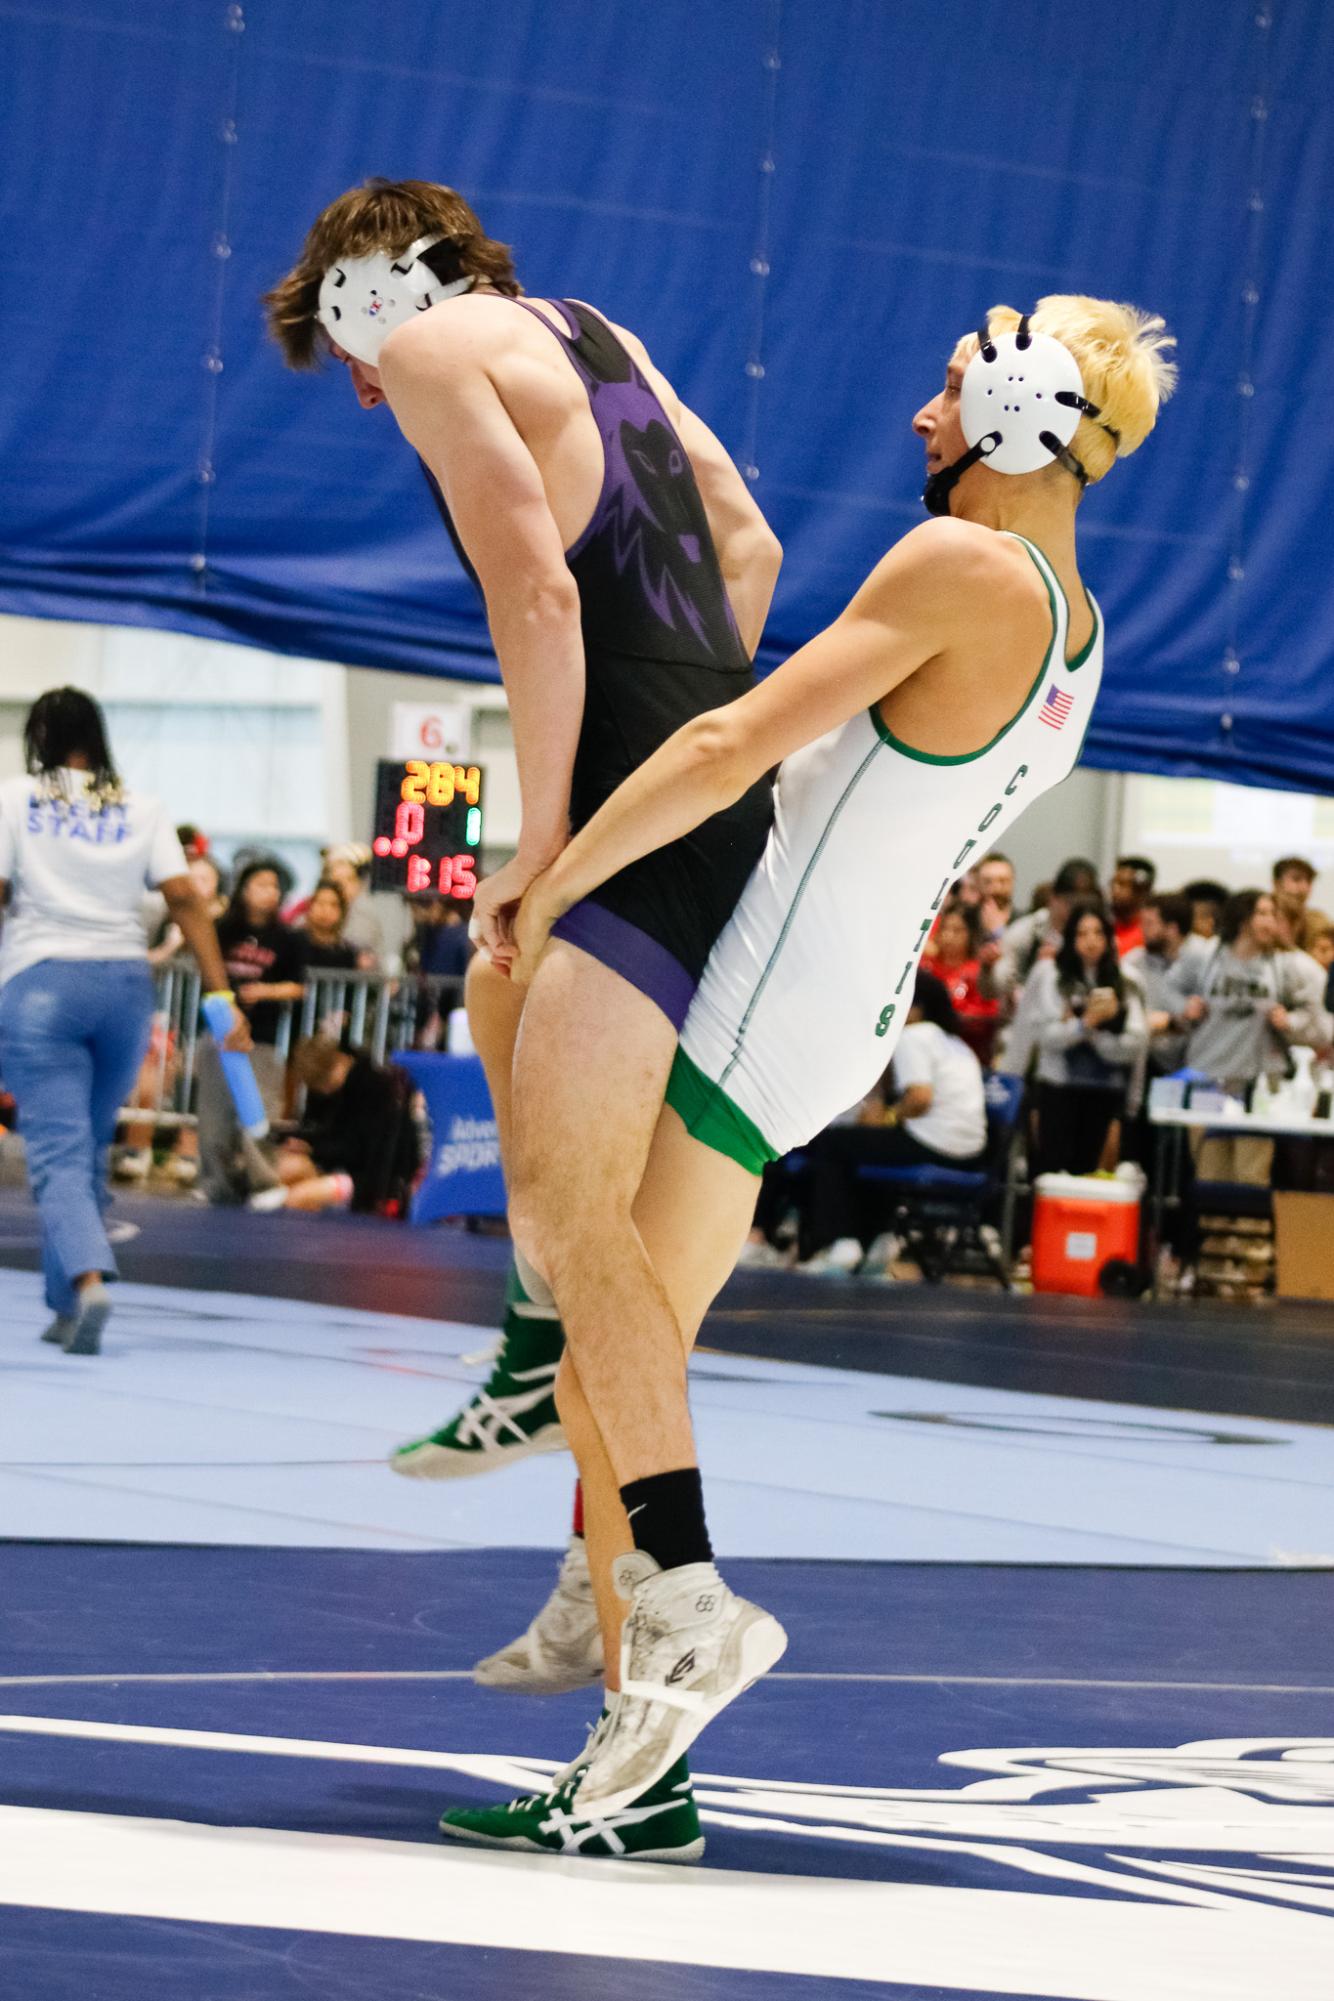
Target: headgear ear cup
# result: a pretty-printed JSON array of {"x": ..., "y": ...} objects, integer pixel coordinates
[
  {"x": 362, "y": 299},
  {"x": 1019, "y": 406},
  {"x": 1023, "y": 391}
]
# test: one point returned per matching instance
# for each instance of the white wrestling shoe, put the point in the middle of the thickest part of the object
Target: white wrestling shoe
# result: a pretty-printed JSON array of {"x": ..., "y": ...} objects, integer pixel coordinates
[
  {"x": 840, "y": 1260},
  {"x": 580, "y": 1761},
  {"x": 764, "y": 1257},
  {"x": 562, "y": 1649},
  {"x": 689, "y": 1647}
]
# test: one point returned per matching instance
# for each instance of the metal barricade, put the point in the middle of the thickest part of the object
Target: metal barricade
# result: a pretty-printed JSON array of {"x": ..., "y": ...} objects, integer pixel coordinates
[
  {"x": 165, "y": 1088},
  {"x": 377, "y": 1012}
]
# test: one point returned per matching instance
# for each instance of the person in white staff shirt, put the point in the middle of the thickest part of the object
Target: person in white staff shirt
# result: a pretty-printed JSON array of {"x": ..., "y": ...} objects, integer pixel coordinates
[{"x": 77, "y": 851}]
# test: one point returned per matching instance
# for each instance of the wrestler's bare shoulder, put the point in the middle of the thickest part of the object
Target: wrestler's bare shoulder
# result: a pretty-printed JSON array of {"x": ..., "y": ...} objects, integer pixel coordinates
[
  {"x": 458, "y": 333},
  {"x": 944, "y": 563}
]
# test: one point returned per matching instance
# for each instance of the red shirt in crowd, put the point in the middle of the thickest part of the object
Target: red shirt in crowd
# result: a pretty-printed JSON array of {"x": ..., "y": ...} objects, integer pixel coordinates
[{"x": 977, "y": 1015}]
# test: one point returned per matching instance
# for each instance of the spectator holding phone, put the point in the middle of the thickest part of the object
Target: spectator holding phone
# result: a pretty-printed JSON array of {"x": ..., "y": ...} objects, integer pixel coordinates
[{"x": 1085, "y": 1017}]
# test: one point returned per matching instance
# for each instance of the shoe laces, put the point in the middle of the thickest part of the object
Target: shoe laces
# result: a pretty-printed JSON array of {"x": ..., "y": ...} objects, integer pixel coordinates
[
  {"x": 574, "y": 1771},
  {"x": 484, "y": 1405}
]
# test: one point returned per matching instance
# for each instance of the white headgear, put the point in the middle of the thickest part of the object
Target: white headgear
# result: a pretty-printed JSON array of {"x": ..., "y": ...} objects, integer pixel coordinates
[
  {"x": 363, "y": 299},
  {"x": 1019, "y": 407},
  {"x": 1021, "y": 400}
]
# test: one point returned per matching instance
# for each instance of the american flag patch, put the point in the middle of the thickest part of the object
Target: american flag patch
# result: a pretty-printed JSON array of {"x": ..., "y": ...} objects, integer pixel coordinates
[{"x": 1056, "y": 708}]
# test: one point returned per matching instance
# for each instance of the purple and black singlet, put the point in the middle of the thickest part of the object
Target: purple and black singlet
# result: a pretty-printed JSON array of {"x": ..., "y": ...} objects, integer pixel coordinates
[{"x": 660, "y": 647}]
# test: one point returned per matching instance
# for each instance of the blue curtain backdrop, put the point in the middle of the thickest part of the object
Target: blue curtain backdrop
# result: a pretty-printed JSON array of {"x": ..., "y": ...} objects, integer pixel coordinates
[{"x": 798, "y": 205}]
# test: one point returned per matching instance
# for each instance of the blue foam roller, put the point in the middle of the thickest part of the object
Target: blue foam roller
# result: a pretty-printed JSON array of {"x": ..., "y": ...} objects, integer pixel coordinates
[{"x": 237, "y": 1069}]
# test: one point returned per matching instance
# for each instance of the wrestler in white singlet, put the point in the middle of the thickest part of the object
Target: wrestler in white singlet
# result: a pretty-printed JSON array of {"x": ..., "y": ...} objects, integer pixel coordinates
[{"x": 808, "y": 986}]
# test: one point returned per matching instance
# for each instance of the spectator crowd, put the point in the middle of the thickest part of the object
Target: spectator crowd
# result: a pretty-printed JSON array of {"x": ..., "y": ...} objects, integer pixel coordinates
[
  {"x": 1087, "y": 996},
  {"x": 346, "y": 1134}
]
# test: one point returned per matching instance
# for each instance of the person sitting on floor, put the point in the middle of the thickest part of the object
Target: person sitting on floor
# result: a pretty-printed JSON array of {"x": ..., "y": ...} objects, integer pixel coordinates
[
  {"x": 357, "y": 1148},
  {"x": 928, "y": 1110}
]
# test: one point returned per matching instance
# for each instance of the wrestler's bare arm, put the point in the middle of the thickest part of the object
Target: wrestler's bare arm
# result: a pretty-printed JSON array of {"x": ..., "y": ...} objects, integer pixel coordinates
[
  {"x": 436, "y": 376},
  {"x": 921, "y": 600}
]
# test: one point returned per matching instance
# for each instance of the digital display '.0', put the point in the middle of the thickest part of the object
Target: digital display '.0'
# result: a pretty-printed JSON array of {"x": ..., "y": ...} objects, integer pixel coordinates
[{"x": 428, "y": 828}]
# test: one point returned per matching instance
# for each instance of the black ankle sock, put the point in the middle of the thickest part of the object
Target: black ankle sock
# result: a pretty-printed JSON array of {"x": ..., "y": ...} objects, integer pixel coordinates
[{"x": 667, "y": 1517}]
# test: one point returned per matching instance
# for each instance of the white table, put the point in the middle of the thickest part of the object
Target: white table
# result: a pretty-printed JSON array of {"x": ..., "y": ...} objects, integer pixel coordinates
[{"x": 1242, "y": 1122}]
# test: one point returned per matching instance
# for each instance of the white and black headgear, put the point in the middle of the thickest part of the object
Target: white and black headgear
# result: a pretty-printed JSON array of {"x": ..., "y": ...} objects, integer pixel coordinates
[
  {"x": 1019, "y": 407},
  {"x": 362, "y": 299}
]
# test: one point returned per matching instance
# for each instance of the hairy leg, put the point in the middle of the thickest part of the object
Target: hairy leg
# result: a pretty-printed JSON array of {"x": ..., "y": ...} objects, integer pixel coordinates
[
  {"x": 692, "y": 1210},
  {"x": 495, "y": 1008},
  {"x": 590, "y": 1072}
]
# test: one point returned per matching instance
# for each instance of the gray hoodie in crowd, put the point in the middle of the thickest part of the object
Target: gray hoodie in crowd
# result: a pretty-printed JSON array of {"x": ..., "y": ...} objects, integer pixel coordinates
[{"x": 1235, "y": 1041}]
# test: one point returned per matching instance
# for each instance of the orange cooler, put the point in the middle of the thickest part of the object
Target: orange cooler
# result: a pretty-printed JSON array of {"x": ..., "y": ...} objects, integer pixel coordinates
[{"x": 1080, "y": 1222}]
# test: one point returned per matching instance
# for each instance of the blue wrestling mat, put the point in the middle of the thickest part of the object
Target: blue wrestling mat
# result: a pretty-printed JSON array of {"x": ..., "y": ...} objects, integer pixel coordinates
[{"x": 222, "y": 1770}]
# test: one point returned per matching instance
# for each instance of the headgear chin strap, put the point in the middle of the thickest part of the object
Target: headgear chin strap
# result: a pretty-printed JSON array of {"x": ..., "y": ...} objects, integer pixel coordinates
[
  {"x": 1020, "y": 405},
  {"x": 363, "y": 299}
]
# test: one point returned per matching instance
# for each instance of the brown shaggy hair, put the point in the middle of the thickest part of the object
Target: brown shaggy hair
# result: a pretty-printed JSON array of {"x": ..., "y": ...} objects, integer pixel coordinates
[
  {"x": 379, "y": 215},
  {"x": 315, "y": 1059}
]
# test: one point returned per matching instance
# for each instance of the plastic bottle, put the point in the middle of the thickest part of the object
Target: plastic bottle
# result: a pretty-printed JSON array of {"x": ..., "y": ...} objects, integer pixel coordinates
[
  {"x": 1324, "y": 1084},
  {"x": 1302, "y": 1092},
  {"x": 458, "y": 1034},
  {"x": 236, "y": 1068}
]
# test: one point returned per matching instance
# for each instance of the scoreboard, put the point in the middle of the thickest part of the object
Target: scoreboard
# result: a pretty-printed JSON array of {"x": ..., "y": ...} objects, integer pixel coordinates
[{"x": 428, "y": 828}]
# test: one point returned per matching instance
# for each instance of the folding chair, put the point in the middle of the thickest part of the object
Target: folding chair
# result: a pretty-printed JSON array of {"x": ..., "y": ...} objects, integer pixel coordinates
[{"x": 941, "y": 1211}]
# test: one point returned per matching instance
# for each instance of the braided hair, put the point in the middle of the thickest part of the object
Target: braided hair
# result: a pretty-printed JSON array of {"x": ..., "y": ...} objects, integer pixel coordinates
[{"x": 65, "y": 723}]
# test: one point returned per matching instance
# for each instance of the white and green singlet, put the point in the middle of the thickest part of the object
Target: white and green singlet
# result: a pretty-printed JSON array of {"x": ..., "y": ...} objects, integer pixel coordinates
[{"x": 810, "y": 983}]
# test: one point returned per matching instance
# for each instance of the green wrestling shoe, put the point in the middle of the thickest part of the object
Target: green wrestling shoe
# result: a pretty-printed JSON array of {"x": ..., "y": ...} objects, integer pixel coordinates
[
  {"x": 513, "y": 1415},
  {"x": 663, "y": 1826}
]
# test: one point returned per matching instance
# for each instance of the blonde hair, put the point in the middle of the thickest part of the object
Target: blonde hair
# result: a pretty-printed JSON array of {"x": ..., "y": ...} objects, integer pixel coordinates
[
  {"x": 1122, "y": 358},
  {"x": 379, "y": 215}
]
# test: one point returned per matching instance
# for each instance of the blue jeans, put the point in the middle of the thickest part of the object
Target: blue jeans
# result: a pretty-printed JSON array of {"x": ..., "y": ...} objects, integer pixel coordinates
[{"x": 73, "y": 1033}]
